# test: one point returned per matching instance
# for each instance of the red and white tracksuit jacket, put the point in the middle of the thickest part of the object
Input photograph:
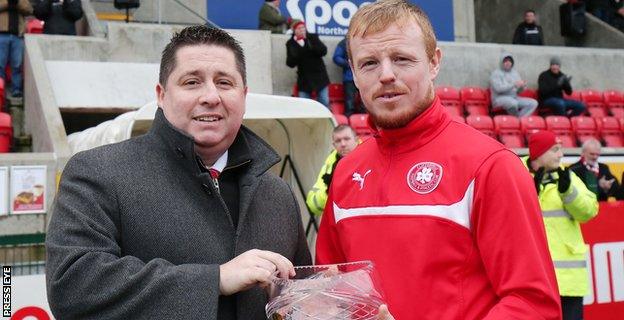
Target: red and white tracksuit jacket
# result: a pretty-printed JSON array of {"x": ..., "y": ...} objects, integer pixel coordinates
[{"x": 451, "y": 220}]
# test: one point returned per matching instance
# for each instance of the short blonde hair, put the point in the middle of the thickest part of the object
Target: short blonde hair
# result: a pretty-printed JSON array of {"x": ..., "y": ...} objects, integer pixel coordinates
[{"x": 378, "y": 16}]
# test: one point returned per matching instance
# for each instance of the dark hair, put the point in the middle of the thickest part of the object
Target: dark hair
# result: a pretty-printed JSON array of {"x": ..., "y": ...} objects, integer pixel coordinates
[
  {"x": 342, "y": 127},
  {"x": 199, "y": 35},
  {"x": 529, "y": 10}
]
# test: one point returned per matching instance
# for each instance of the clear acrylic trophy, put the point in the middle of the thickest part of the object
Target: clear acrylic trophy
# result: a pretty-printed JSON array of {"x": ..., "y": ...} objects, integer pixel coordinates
[{"x": 324, "y": 292}]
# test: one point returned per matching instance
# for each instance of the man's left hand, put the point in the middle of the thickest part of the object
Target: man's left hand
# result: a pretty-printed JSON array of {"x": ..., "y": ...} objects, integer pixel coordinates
[
  {"x": 605, "y": 184},
  {"x": 384, "y": 313},
  {"x": 564, "y": 180}
]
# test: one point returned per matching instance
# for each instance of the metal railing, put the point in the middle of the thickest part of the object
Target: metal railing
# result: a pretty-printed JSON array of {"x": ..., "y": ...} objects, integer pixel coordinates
[{"x": 25, "y": 253}]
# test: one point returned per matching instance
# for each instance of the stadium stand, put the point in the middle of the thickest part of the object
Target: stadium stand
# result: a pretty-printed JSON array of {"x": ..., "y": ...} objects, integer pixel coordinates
[
  {"x": 614, "y": 101},
  {"x": 359, "y": 123},
  {"x": 475, "y": 100},
  {"x": 6, "y": 132},
  {"x": 341, "y": 119},
  {"x": 450, "y": 98},
  {"x": 336, "y": 92},
  {"x": 611, "y": 132}
]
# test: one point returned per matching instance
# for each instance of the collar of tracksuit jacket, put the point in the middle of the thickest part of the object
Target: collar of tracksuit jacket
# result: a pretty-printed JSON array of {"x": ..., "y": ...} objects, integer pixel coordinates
[{"x": 418, "y": 132}]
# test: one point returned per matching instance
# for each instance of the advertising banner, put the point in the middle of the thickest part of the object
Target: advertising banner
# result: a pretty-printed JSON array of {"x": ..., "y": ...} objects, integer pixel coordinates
[
  {"x": 605, "y": 236},
  {"x": 324, "y": 17}
]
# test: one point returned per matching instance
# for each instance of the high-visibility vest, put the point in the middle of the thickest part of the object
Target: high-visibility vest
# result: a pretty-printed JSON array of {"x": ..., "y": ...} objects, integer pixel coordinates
[
  {"x": 563, "y": 213},
  {"x": 317, "y": 196}
]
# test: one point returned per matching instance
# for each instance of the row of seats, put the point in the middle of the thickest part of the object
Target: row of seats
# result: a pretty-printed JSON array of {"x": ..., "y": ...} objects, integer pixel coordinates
[
  {"x": 476, "y": 101},
  {"x": 513, "y": 132}
]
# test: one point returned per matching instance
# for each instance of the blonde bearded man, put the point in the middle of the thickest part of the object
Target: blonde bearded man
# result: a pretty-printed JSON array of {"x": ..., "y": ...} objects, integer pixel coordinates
[{"x": 443, "y": 211}]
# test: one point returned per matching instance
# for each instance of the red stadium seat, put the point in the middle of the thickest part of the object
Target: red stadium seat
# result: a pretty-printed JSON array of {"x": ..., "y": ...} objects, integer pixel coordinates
[
  {"x": 608, "y": 125},
  {"x": 337, "y": 107},
  {"x": 34, "y": 26},
  {"x": 359, "y": 123},
  {"x": 611, "y": 132},
  {"x": 6, "y": 132},
  {"x": 477, "y": 110},
  {"x": 597, "y": 112},
  {"x": 585, "y": 128},
  {"x": 341, "y": 119},
  {"x": 532, "y": 124},
  {"x": 453, "y": 111},
  {"x": 2, "y": 93},
  {"x": 336, "y": 92},
  {"x": 592, "y": 98},
  {"x": 449, "y": 97},
  {"x": 482, "y": 123},
  {"x": 295, "y": 91},
  {"x": 614, "y": 100},
  {"x": 475, "y": 96},
  {"x": 528, "y": 93},
  {"x": 576, "y": 95},
  {"x": 509, "y": 131},
  {"x": 561, "y": 126}
]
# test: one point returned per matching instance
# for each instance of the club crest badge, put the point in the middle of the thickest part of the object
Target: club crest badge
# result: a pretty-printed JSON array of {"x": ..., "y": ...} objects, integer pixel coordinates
[{"x": 424, "y": 177}]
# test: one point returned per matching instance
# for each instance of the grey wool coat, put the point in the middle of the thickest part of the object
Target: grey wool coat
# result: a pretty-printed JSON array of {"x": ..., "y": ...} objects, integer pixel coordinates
[{"x": 138, "y": 231}]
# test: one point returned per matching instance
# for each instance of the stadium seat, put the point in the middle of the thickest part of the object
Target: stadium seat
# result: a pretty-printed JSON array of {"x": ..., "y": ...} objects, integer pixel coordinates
[
  {"x": 359, "y": 123},
  {"x": 34, "y": 26},
  {"x": 597, "y": 112},
  {"x": 562, "y": 127},
  {"x": 336, "y": 92},
  {"x": 2, "y": 94},
  {"x": 528, "y": 93},
  {"x": 295, "y": 90},
  {"x": 453, "y": 111},
  {"x": 341, "y": 119},
  {"x": 508, "y": 130},
  {"x": 614, "y": 101},
  {"x": 576, "y": 95},
  {"x": 475, "y": 100},
  {"x": 6, "y": 132},
  {"x": 592, "y": 98},
  {"x": 449, "y": 97},
  {"x": 585, "y": 128},
  {"x": 609, "y": 125},
  {"x": 337, "y": 107},
  {"x": 482, "y": 123},
  {"x": 531, "y": 124}
]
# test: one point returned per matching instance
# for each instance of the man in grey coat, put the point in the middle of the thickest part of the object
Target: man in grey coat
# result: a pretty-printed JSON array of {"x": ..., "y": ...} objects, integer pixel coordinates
[
  {"x": 505, "y": 84},
  {"x": 184, "y": 222}
]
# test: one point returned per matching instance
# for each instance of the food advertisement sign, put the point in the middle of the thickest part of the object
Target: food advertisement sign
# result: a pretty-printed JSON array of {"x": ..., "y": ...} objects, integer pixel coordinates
[{"x": 28, "y": 189}]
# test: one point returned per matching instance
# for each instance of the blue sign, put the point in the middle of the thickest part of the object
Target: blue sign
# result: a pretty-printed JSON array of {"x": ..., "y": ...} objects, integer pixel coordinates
[{"x": 324, "y": 17}]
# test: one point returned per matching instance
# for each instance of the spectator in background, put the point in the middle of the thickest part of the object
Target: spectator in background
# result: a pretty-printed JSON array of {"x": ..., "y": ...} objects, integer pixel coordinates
[
  {"x": 12, "y": 13},
  {"x": 618, "y": 17},
  {"x": 59, "y": 16},
  {"x": 505, "y": 84},
  {"x": 270, "y": 17},
  {"x": 344, "y": 140},
  {"x": 305, "y": 51},
  {"x": 529, "y": 32},
  {"x": 350, "y": 90},
  {"x": 596, "y": 176},
  {"x": 565, "y": 203},
  {"x": 551, "y": 85},
  {"x": 601, "y": 9}
]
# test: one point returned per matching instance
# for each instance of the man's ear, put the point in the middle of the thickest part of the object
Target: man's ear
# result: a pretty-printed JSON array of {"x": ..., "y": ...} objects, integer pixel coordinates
[
  {"x": 434, "y": 63},
  {"x": 160, "y": 94}
]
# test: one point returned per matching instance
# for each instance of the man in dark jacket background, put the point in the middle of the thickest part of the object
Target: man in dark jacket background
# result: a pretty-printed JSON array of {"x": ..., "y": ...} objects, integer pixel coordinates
[
  {"x": 184, "y": 222},
  {"x": 551, "y": 85},
  {"x": 529, "y": 32},
  {"x": 59, "y": 16},
  {"x": 306, "y": 51},
  {"x": 350, "y": 90},
  {"x": 596, "y": 176}
]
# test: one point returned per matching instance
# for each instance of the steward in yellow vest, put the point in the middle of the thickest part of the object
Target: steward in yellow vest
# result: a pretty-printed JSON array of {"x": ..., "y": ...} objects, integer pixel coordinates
[{"x": 565, "y": 202}]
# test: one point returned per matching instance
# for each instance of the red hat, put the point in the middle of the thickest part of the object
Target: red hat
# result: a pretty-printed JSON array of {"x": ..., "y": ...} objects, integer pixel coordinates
[
  {"x": 295, "y": 23},
  {"x": 540, "y": 142}
]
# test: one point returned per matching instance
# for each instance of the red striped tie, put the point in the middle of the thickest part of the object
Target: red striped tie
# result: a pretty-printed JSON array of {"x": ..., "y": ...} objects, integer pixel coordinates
[{"x": 214, "y": 173}]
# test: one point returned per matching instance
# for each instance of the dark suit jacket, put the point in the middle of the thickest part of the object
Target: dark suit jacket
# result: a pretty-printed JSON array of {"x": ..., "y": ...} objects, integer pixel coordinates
[{"x": 138, "y": 231}]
